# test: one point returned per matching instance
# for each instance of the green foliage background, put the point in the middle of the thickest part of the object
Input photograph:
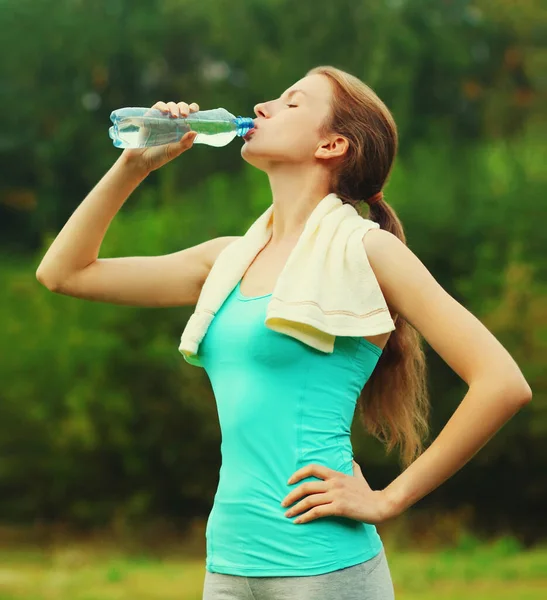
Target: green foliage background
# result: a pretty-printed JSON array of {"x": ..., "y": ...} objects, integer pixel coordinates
[{"x": 101, "y": 420}]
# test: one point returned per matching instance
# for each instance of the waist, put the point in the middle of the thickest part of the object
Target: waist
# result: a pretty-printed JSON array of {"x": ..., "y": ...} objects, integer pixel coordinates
[
  {"x": 259, "y": 472},
  {"x": 251, "y": 537}
]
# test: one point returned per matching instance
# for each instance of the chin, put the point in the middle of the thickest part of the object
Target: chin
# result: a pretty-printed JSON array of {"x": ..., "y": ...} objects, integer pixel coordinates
[{"x": 254, "y": 159}]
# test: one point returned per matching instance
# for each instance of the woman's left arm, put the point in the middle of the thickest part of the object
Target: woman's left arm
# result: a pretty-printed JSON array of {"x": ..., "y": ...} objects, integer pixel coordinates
[{"x": 497, "y": 387}]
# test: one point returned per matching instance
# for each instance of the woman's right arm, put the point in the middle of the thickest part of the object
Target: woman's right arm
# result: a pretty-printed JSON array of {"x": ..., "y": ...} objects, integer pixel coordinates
[{"x": 71, "y": 265}]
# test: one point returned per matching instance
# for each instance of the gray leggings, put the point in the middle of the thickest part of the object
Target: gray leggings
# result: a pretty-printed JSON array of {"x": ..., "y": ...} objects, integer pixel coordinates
[{"x": 369, "y": 580}]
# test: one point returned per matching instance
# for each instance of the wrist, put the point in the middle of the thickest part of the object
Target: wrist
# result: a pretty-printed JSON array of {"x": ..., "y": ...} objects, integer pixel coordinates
[
  {"x": 133, "y": 166},
  {"x": 393, "y": 504}
]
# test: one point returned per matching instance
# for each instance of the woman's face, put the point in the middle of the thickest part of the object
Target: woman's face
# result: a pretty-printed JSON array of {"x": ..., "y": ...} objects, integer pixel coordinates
[{"x": 287, "y": 128}]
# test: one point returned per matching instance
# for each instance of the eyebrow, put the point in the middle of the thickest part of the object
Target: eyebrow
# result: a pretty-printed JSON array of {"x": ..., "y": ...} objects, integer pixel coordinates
[{"x": 292, "y": 92}]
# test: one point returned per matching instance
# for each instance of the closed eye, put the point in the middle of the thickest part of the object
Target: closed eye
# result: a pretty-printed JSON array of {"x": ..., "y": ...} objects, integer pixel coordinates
[{"x": 291, "y": 105}]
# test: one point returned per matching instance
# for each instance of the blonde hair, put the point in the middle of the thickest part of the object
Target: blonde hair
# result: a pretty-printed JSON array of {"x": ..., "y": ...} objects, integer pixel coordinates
[{"x": 394, "y": 403}]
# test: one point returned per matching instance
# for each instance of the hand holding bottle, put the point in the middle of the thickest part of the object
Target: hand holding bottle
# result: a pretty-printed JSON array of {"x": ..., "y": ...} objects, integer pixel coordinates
[{"x": 152, "y": 158}]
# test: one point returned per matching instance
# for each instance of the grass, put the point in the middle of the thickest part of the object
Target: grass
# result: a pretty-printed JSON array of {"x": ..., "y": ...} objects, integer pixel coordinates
[{"x": 501, "y": 570}]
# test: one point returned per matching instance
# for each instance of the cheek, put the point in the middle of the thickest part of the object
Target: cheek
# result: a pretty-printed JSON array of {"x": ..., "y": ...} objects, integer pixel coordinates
[
  {"x": 301, "y": 137},
  {"x": 301, "y": 145}
]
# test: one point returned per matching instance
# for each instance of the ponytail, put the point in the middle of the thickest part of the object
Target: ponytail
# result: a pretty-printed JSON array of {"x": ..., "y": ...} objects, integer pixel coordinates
[{"x": 394, "y": 403}]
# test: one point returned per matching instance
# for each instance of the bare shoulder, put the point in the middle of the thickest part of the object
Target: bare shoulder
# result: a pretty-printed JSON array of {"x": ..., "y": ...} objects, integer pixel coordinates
[
  {"x": 384, "y": 252},
  {"x": 405, "y": 281}
]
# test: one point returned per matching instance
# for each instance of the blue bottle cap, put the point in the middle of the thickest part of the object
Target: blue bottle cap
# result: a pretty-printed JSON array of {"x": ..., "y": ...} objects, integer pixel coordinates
[{"x": 244, "y": 125}]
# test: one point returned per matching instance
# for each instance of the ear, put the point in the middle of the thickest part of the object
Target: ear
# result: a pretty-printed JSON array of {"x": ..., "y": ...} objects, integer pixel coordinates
[{"x": 332, "y": 147}]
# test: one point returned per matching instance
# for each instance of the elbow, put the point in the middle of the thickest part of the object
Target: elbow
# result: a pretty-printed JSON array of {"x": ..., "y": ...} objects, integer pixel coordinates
[
  {"x": 46, "y": 280},
  {"x": 514, "y": 389},
  {"x": 526, "y": 394},
  {"x": 520, "y": 391}
]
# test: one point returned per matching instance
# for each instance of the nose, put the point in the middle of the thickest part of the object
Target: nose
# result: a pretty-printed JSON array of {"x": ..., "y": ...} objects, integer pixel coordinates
[{"x": 259, "y": 110}]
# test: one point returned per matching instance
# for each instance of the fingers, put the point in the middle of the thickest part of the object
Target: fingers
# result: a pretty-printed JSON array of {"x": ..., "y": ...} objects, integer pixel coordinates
[
  {"x": 174, "y": 109},
  {"x": 180, "y": 109},
  {"x": 161, "y": 106},
  {"x": 187, "y": 140},
  {"x": 184, "y": 109},
  {"x": 176, "y": 148}
]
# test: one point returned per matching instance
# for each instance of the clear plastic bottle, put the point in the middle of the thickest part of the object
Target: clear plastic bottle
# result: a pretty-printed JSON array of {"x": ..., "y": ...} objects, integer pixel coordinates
[{"x": 136, "y": 127}]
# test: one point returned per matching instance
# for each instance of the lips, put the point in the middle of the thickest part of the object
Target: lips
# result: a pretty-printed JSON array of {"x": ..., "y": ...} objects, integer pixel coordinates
[{"x": 248, "y": 134}]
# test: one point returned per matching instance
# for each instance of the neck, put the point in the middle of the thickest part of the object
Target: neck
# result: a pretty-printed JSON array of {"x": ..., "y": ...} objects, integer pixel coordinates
[{"x": 295, "y": 195}]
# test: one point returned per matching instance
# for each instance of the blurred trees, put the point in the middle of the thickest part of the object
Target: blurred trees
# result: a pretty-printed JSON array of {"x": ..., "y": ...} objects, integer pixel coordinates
[{"x": 100, "y": 418}]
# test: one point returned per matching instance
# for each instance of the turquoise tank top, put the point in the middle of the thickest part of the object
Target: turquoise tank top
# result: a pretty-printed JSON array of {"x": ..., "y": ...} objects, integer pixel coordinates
[{"x": 281, "y": 405}]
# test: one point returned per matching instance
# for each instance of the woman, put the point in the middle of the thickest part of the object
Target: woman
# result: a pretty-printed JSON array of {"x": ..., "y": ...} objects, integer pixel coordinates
[{"x": 329, "y": 133}]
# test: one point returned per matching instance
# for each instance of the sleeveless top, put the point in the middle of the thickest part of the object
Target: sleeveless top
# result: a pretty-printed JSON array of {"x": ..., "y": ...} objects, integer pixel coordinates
[{"x": 281, "y": 405}]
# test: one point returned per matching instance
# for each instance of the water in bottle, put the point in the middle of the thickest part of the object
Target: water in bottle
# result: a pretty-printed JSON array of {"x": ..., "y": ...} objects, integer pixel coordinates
[{"x": 135, "y": 127}]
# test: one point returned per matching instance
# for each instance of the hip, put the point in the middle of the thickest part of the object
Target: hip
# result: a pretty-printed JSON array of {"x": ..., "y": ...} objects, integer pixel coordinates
[{"x": 367, "y": 580}]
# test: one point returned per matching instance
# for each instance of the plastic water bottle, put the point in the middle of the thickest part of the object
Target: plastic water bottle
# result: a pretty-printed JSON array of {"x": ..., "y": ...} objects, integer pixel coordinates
[{"x": 135, "y": 127}]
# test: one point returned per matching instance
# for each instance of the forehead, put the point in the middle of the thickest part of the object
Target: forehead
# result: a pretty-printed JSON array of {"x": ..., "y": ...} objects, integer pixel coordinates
[{"x": 316, "y": 89}]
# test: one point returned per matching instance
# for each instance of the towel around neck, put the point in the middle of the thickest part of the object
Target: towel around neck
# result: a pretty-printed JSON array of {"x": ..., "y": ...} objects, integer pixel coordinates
[{"x": 326, "y": 288}]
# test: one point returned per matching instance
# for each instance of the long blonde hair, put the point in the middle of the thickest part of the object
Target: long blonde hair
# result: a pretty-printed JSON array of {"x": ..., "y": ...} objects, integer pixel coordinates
[{"x": 394, "y": 403}]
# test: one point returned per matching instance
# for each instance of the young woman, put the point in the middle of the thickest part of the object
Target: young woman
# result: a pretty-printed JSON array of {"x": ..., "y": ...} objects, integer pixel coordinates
[{"x": 328, "y": 133}]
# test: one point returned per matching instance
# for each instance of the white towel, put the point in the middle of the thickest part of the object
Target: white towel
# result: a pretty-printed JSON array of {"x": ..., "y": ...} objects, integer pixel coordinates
[{"x": 326, "y": 288}]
